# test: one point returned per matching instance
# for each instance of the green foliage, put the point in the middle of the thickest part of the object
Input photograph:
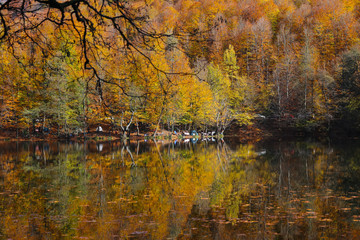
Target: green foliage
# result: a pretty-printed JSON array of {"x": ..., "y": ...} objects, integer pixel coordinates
[{"x": 229, "y": 92}]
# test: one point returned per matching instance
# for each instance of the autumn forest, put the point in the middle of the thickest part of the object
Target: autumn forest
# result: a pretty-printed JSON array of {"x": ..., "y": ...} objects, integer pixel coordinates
[{"x": 178, "y": 64}]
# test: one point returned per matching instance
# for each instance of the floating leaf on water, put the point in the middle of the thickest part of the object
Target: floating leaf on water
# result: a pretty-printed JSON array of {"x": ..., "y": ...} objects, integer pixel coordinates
[
  {"x": 326, "y": 220},
  {"x": 241, "y": 235},
  {"x": 139, "y": 233},
  {"x": 89, "y": 221},
  {"x": 272, "y": 223},
  {"x": 328, "y": 197},
  {"x": 345, "y": 209},
  {"x": 345, "y": 198}
]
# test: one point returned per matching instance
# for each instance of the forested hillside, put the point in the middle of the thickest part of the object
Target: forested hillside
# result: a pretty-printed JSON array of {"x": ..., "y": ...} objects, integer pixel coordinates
[{"x": 178, "y": 64}]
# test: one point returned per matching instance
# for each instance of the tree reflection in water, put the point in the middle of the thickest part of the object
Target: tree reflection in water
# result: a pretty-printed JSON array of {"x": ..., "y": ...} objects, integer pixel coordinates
[{"x": 160, "y": 190}]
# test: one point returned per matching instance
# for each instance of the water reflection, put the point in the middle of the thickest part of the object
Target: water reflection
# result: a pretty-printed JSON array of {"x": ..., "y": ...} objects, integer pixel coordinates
[{"x": 179, "y": 190}]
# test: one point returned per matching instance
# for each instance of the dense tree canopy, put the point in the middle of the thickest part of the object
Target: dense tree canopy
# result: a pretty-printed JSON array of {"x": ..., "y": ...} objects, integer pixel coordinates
[{"x": 176, "y": 64}]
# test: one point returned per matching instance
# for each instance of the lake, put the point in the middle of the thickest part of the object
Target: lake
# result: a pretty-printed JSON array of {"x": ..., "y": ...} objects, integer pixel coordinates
[{"x": 180, "y": 190}]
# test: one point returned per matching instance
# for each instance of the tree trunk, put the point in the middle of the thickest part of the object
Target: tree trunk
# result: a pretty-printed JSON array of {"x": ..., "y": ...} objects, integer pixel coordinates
[
  {"x": 43, "y": 125},
  {"x": 137, "y": 128},
  {"x": 305, "y": 97},
  {"x": 127, "y": 127},
  {"x": 160, "y": 116},
  {"x": 124, "y": 134}
]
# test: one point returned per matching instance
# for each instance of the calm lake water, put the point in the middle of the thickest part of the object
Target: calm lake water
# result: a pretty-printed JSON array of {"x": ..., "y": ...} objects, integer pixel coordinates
[{"x": 202, "y": 190}]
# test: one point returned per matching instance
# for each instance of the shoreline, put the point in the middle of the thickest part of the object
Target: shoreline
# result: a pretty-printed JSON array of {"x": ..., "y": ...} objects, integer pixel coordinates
[
  {"x": 251, "y": 133},
  {"x": 104, "y": 137},
  {"x": 238, "y": 138}
]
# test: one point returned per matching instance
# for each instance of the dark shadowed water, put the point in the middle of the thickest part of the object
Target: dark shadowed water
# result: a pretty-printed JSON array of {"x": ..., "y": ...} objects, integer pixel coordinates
[{"x": 203, "y": 190}]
